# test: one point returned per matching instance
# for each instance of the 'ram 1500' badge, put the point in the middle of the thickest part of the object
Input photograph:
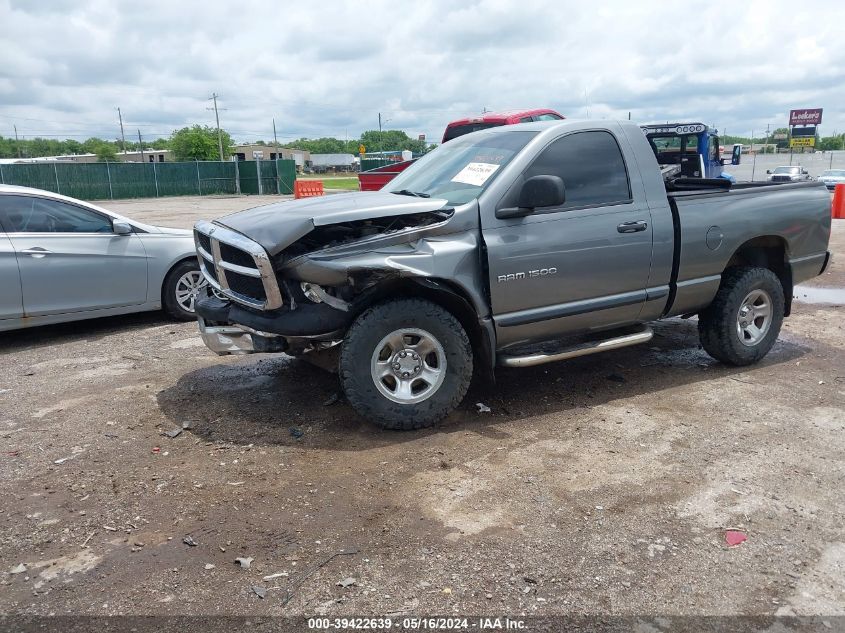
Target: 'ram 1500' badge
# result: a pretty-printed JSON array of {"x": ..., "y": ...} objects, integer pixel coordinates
[{"x": 540, "y": 272}]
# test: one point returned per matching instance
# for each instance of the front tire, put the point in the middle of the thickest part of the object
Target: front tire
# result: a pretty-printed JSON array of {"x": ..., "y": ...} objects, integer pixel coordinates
[
  {"x": 405, "y": 364},
  {"x": 744, "y": 320},
  {"x": 182, "y": 286}
]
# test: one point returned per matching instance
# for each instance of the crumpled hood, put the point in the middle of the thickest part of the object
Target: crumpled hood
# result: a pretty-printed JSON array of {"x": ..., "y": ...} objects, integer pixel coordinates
[{"x": 276, "y": 226}]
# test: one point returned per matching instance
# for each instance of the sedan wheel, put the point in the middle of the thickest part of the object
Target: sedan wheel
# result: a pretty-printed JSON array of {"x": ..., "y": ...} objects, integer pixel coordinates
[{"x": 188, "y": 289}]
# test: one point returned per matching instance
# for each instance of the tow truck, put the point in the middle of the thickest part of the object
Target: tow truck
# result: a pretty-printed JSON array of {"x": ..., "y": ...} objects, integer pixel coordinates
[{"x": 689, "y": 150}]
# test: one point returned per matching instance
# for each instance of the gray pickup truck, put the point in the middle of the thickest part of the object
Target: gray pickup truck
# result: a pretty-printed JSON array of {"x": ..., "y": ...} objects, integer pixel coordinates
[{"x": 514, "y": 246}]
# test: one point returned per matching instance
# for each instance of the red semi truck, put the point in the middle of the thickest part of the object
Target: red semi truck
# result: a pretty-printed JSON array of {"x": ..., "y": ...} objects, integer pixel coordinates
[{"x": 375, "y": 179}]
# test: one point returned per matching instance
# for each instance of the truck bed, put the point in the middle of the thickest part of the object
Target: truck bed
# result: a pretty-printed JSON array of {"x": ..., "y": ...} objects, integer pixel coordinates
[
  {"x": 688, "y": 187},
  {"x": 712, "y": 223}
]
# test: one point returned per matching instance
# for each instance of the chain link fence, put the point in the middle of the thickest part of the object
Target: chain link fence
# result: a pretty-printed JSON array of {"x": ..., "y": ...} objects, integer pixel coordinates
[{"x": 102, "y": 181}]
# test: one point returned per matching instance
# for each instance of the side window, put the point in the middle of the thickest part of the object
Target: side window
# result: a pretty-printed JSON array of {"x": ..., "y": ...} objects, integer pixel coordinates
[
  {"x": 591, "y": 166},
  {"x": 27, "y": 214},
  {"x": 526, "y": 119},
  {"x": 547, "y": 117},
  {"x": 13, "y": 212},
  {"x": 715, "y": 154}
]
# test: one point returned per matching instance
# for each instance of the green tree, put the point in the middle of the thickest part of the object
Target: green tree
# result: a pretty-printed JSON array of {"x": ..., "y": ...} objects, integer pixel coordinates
[
  {"x": 199, "y": 143},
  {"x": 373, "y": 141},
  {"x": 831, "y": 142},
  {"x": 106, "y": 152},
  {"x": 391, "y": 140},
  {"x": 323, "y": 146},
  {"x": 784, "y": 142}
]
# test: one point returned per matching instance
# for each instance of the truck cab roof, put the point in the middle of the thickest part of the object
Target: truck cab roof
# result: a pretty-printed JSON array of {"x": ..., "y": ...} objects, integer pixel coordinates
[{"x": 463, "y": 126}]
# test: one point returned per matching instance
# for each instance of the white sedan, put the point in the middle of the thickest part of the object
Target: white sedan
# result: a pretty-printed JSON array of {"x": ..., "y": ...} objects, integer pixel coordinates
[
  {"x": 832, "y": 177},
  {"x": 62, "y": 259}
]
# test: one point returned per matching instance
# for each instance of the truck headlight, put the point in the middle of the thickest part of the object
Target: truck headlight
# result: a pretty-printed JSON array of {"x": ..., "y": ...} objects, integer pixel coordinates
[{"x": 310, "y": 292}]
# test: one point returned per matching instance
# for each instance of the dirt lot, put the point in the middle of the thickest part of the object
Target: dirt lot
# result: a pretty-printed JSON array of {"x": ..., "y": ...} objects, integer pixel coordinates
[{"x": 602, "y": 485}]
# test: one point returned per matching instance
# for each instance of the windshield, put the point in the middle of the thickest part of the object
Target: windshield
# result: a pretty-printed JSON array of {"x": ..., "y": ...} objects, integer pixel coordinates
[
  {"x": 840, "y": 173},
  {"x": 454, "y": 131},
  {"x": 787, "y": 170},
  {"x": 461, "y": 169}
]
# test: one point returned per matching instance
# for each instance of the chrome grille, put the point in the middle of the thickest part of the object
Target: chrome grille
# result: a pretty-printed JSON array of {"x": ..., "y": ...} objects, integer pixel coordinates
[{"x": 236, "y": 266}]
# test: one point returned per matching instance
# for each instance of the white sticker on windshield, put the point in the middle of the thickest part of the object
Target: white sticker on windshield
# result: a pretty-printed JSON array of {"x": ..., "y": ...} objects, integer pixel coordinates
[{"x": 475, "y": 173}]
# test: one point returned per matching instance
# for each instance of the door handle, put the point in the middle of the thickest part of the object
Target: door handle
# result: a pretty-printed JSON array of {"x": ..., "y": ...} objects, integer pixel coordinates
[
  {"x": 632, "y": 227},
  {"x": 36, "y": 251}
]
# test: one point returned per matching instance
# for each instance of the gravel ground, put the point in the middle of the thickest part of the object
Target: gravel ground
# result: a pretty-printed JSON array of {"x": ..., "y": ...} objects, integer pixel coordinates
[{"x": 602, "y": 485}]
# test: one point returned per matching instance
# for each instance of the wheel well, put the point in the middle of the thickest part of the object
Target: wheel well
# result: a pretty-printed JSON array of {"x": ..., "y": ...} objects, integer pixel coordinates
[
  {"x": 449, "y": 298},
  {"x": 170, "y": 271},
  {"x": 767, "y": 251}
]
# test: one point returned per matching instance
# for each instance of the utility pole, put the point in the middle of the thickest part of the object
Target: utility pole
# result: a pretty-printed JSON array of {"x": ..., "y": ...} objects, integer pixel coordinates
[
  {"x": 141, "y": 146},
  {"x": 753, "y": 158},
  {"x": 17, "y": 143},
  {"x": 219, "y": 133},
  {"x": 276, "y": 140},
  {"x": 123, "y": 138},
  {"x": 379, "y": 121}
]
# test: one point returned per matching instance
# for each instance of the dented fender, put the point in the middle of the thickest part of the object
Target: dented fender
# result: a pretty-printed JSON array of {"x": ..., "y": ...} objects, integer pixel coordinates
[{"x": 452, "y": 256}]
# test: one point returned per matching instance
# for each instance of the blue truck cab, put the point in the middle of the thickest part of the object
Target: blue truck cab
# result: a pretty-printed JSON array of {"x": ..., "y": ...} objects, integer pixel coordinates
[{"x": 691, "y": 148}]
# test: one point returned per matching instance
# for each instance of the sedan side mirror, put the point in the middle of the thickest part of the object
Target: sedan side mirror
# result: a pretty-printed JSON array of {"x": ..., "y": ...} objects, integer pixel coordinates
[
  {"x": 768, "y": 171},
  {"x": 804, "y": 171},
  {"x": 121, "y": 228}
]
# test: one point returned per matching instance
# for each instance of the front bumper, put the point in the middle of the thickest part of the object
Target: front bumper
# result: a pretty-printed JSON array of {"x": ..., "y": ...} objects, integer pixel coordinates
[
  {"x": 308, "y": 320},
  {"x": 225, "y": 339},
  {"x": 227, "y": 328}
]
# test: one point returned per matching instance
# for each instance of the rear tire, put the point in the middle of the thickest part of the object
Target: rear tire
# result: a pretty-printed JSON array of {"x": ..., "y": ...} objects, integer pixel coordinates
[
  {"x": 405, "y": 364},
  {"x": 744, "y": 320},
  {"x": 182, "y": 286}
]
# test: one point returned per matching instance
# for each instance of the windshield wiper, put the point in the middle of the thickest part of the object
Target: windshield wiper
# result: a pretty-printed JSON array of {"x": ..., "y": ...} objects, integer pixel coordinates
[{"x": 408, "y": 192}]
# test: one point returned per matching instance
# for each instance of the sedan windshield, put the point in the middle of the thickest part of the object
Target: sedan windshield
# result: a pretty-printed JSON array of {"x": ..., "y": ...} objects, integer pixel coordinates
[
  {"x": 461, "y": 169},
  {"x": 786, "y": 170}
]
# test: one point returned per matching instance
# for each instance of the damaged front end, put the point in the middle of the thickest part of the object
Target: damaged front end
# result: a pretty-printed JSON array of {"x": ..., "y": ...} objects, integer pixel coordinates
[{"x": 298, "y": 290}]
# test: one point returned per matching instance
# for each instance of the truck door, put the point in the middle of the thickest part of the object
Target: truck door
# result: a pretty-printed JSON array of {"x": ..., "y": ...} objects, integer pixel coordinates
[{"x": 580, "y": 266}]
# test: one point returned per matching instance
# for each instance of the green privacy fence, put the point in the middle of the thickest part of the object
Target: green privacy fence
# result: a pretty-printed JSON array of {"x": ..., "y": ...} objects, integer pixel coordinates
[
  {"x": 372, "y": 163},
  {"x": 267, "y": 176},
  {"x": 101, "y": 181}
]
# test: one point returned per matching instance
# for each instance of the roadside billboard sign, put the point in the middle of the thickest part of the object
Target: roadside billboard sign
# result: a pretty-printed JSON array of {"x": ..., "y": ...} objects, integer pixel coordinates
[
  {"x": 809, "y": 141},
  {"x": 807, "y": 116},
  {"x": 808, "y": 130},
  {"x": 780, "y": 136}
]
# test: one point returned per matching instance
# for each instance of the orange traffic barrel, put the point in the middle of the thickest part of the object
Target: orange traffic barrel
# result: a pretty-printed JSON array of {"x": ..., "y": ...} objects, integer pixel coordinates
[
  {"x": 838, "y": 206},
  {"x": 307, "y": 188}
]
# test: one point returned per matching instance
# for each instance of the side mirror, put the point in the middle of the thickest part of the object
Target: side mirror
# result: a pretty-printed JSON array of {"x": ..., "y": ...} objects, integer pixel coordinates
[
  {"x": 768, "y": 171},
  {"x": 121, "y": 228},
  {"x": 736, "y": 155},
  {"x": 804, "y": 171},
  {"x": 542, "y": 191},
  {"x": 536, "y": 192}
]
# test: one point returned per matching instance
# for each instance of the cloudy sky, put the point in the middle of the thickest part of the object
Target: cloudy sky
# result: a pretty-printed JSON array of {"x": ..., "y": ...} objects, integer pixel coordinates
[{"x": 329, "y": 68}]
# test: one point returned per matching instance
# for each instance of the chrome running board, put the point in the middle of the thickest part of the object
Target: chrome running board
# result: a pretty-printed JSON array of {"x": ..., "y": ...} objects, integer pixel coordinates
[{"x": 582, "y": 349}]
